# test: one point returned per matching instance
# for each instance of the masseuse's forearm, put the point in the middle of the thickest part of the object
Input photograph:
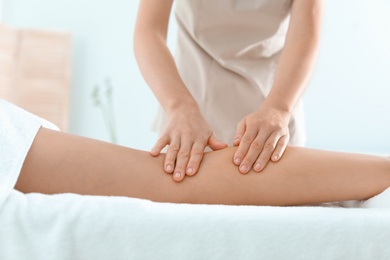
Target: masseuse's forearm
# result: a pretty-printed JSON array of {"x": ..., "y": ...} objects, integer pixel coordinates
[
  {"x": 155, "y": 59},
  {"x": 298, "y": 56},
  {"x": 59, "y": 162}
]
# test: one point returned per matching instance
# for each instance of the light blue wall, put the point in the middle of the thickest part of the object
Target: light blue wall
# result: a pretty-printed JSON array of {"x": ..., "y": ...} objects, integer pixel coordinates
[{"x": 347, "y": 102}]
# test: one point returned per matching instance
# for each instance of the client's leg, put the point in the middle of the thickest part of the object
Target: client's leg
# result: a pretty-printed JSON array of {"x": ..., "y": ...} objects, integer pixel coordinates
[{"x": 59, "y": 162}]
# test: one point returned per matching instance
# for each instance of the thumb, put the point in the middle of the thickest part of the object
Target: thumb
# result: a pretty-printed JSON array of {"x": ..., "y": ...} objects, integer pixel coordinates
[{"x": 216, "y": 144}]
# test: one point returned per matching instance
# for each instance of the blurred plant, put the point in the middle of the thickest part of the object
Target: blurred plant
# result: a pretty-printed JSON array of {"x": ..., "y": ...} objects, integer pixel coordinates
[{"x": 106, "y": 107}]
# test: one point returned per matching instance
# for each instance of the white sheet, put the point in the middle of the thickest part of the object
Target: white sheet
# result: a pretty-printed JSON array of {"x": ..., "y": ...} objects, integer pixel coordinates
[{"x": 69, "y": 226}]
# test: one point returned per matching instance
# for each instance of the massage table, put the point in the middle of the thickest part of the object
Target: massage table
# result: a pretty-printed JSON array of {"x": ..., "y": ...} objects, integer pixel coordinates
[{"x": 70, "y": 226}]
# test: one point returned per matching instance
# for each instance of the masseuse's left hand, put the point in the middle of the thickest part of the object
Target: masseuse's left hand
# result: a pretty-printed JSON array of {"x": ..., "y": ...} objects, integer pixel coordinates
[{"x": 261, "y": 136}]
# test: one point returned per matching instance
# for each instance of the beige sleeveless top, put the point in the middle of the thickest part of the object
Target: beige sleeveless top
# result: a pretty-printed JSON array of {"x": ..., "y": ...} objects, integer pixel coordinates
[{"x": 227, "y": 52}]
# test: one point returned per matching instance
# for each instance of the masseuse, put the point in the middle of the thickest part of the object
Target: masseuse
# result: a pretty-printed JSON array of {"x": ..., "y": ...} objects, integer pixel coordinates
[{"x": 237, "y": 78}]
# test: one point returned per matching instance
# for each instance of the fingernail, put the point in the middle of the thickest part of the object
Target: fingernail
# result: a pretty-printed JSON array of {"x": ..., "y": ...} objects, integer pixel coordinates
[
  {"x": 275, "y": 157},
  {"x": 177, "y": 175},
  {"x": 243, "y": 168},
  {"x": 154, "y": 150},
  {"x": 257, "y": 167},
  {"x": 168, "y": 167},
  {"x": 237, "y": 160},
  {"x": 189, "y": 170}
]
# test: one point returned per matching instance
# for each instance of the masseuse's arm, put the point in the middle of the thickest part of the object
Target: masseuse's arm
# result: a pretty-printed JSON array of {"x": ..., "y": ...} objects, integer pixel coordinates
[
  {"x": 263, "y": 135},
  {"x": 187, "y": 132}
]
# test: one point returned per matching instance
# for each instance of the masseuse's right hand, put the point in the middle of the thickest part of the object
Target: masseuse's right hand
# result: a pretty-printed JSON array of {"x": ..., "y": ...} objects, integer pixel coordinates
[{"x": 187, "y": 135}]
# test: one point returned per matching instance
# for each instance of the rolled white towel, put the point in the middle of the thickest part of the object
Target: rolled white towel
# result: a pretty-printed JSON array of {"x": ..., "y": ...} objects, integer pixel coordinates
[{"x": 381, "y": 200}]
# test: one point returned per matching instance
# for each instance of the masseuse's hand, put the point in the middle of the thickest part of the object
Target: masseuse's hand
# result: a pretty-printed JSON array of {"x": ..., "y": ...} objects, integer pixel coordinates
[
  {"x": 187, "y": 135},
  {"x": 261, "y": 136}
]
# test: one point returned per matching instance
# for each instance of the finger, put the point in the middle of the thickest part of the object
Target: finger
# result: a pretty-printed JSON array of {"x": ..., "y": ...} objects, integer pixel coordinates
[
  {"x": 243, "y": 148},
  {"x": 195, "y": 159},
  {"x": 280, "y": 148},
  {"x": 215, "y": 144},
  {"x": 182, "y": 159},
  {"x": 253, "y": 153},
  {"x": 170, "y": 157},
  {"x": 241, "y": 127},
  {"x": 160, "y": 144},
  {"x": 265, "y": 155}
]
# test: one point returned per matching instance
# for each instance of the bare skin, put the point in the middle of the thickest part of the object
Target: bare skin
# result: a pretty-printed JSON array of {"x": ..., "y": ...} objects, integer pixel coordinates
[
  {"x": 261, "y": 136},
  {"x": 59, "y": 162}
]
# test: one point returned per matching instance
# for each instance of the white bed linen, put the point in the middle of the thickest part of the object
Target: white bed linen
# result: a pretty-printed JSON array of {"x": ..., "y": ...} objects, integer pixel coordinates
[{"x": 68, "y": 226}]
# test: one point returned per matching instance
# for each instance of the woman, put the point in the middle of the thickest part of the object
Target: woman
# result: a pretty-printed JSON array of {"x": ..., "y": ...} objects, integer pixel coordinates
[
  {"x": 37, "y": 159},
  {"x": 230, "y": 82}
]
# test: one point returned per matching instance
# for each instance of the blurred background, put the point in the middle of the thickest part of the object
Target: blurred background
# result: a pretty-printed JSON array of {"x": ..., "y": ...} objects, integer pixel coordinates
[{"x": 347, "y": 102}]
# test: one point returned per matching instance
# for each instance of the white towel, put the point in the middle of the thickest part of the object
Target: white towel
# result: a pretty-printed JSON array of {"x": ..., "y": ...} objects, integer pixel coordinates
[{"x": 17, "y": 131}]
